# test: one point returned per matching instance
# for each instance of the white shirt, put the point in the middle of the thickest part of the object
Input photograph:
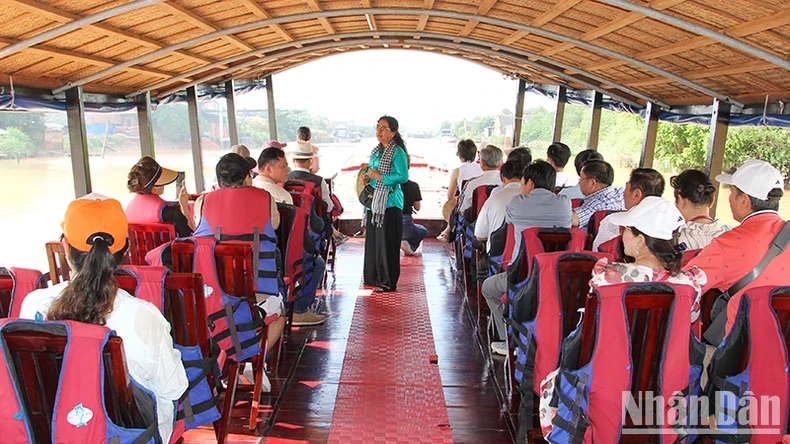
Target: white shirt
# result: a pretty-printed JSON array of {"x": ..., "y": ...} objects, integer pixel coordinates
[
  {"x": 492, "y": 215},
  {"x": 490, "y": 177},
  {"x": 468, "y": 170},
  {"x": 150, "y": 356},
  {"x": 325, "y": 195},
  {"x": 278, "y": 193},
  {"x": 606, "y": 232},
  {"x": 565, "y": 181}
]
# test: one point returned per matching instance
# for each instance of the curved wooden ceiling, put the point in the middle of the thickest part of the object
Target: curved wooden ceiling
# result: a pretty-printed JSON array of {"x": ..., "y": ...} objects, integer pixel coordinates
[{"x": 671, "y": 52}]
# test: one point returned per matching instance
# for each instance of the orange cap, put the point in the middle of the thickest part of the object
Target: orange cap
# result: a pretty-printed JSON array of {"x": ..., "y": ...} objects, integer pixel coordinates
[{"x": 85, "y": 218}]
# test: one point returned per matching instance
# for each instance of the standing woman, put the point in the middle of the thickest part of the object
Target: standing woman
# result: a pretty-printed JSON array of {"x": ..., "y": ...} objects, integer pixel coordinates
[{"x": 388, "y": 169}]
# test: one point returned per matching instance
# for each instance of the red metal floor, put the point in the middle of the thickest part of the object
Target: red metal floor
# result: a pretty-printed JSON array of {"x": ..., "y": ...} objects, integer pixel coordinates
[{"x": 366, "y": 375}]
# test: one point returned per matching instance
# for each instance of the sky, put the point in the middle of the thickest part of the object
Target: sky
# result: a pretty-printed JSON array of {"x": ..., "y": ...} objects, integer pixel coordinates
[{"x": 420, "y": 89}]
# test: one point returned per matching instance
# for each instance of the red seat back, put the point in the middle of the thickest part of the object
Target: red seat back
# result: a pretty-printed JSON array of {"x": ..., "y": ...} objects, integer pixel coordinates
[{"x": 145, "y": 237}]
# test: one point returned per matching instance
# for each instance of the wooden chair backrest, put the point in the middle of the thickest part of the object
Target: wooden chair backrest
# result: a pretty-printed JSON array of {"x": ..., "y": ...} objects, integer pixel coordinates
[
  {"x": 554, "y": 240},
  {"x": 234, "y": 265},
  {"x": 145, "y": 237},
  {"x": 184, "y": 307},
  {"x": 595, "y": 223},
  {"x": 38, "y": 359},
  {"x": 59, "y": 270},
  {"x": 573, "y": 277}
]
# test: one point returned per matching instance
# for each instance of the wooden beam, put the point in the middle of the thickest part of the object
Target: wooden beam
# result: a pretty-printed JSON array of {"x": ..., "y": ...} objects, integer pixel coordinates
[
  {"x": 486, "y": 6},
  {"x": 315, "y": 7},
  {"x": 549, "y": 15},
  {"x": 748, "y": 67},
  {"x": 468, "y": 28},
  {"x": 781, "y": 18},
  {"x": 422, "y": 23},
  {"x": 714, "y": 163},
  {"x": 745, "y": 98},
  {"x": 483, "y": 9},
  {"x": 59, "y": 16},
  {"x": 102, "y": 62},
  {"x": 261, "y": 13},
  {"x": 200, "y": 23}
]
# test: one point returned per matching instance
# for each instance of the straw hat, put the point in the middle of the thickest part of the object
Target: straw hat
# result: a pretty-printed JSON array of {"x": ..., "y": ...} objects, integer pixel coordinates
[
  {"x": 360, "y": 184},
  {"x": 302, "y": 150}
]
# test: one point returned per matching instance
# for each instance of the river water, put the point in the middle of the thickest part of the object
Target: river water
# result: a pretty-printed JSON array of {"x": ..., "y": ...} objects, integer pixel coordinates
[{"x": 36, "y": 191}]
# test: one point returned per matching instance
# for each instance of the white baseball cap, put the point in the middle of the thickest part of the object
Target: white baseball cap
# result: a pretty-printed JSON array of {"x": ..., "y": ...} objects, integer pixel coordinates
[
  {"x": 755, "y": 177},
  {"x": 654, "y": 216}
]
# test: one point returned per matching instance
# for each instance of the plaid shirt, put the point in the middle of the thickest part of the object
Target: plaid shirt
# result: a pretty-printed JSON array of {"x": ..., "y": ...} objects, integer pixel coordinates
[{"x": 609, "y": 198}]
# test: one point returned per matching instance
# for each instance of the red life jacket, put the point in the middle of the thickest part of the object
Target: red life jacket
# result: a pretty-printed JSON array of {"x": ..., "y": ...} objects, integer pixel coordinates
[
  {"x": 198, "y": 406},
  {"x": 80, "y": 415},
  {"x": 757, "y": 333},
  {"x": 297, "y": 247},
  {"x": 304, "y": 197},
  {"x": 237, "y": 212},
  {"x": 479, "y": 197},
  {"x": 612, "y": 247},
  {"x": 145, "y": 208},
  {"x": 23, "y": 281},
  {"x": 590, "y": 396}
]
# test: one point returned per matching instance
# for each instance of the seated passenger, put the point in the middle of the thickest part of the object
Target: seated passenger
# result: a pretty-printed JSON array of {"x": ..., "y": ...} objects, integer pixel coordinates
[
  {"x": 274, "y": 170},
  {"x": 236, "y": 207},
  {"x": 599, "y": 194},
  {"x": 536, "y": 206},
  {"x": 490, "y": 160},
  {"x": 521, "y": 154},
  {"x": 694, "y": 198},
  {"x": 413, "y": 234},
  {"x": 755, "y": 191},
  {"x": 302, "y": 156},
  {"x": 466, "y": 152},
  {"x": 650, "y": 238},
  {"x": 558, "y": 155},
  {"x": 492, "y": 215},
  {"x": 148, "y": 180},
  {"x": 575, "y": 191},
  {"x": 642, "y": 183},
  {"x": 94, "y": 239}
]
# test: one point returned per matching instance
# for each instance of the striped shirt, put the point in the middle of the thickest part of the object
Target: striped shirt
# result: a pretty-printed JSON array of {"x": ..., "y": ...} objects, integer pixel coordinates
[{"x": 609, "y": 198}]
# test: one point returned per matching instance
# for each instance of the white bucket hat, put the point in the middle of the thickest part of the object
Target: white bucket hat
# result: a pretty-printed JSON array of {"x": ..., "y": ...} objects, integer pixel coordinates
[
  {"x": 755, "y": 177},
  {"x": 654, "y": 216},
  {"x": 302, "y": 150}
]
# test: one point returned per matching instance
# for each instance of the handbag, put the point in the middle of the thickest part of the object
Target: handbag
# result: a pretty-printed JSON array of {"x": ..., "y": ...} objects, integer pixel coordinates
[{"x": 366, "y": 196}]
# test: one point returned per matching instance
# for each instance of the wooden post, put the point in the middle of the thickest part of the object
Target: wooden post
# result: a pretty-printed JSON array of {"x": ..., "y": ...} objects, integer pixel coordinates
[
  {"x": 194, "y": 134},
  {"x": 595, "y": 121},
  {"x": 78, "y": 141},
  {"x": 559, "y": 115},
  {"x": 649, "y": 140},
  {"x": 145, "y": 125},
  {"x": 719, "y": 123}
]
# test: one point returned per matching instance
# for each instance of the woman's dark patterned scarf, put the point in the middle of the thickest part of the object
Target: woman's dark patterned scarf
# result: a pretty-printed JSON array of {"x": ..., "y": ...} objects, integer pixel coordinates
[{"x": 382, "y": 192}]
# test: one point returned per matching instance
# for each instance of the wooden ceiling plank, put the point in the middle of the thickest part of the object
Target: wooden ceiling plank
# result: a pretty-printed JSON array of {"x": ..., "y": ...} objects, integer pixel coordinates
[
  {"x": 468, "y": 28},
  {"x": 553, "y": 12},
  {"x": 315, "y": 7},
  {"x": 261, "y": 13},
  {"x": 741, "y": 68},
  {"x": 512, "y": 38},
  {"x": 59, "y": 16},
  {"x": 422, "y": 23},
  {"x": 781, "y": 18},
  {"x": 486, "y": 6},
  {"x": 200, "y": 23}
]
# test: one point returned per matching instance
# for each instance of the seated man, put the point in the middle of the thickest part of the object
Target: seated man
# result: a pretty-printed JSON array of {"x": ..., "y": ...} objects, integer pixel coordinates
[
  {"x": 599, "y": 194},
  {"x": 521, "y": 154},
  {"x": 273, "y": 170},
  {"x": 558, "y": 155},
  {"x": 642, "y": 183},
  {"x": 575, "y": 192},
  {"x": 755, "y": 191},
  {"x": 536, "y": 206},
  {"x": 490, "y": 159},
  {"x": 492, "y": 215},
  {"x": 413, "y": 234}
]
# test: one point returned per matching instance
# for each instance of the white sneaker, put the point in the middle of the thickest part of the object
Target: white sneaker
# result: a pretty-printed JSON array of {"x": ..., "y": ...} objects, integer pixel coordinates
[
  {"x": 266, "y": 385},
  {"x": 404, "y": 245},
  {"x": 499, "y": 347}
]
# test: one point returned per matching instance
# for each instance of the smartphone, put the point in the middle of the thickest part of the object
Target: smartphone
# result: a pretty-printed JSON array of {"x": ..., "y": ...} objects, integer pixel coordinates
[{"x": 180, "y": 182}]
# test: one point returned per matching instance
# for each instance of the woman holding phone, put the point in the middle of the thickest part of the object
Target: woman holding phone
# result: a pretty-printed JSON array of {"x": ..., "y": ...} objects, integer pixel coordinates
[
  {"x": 148, "y": 179},
  {"x": 388, "y": 168}
]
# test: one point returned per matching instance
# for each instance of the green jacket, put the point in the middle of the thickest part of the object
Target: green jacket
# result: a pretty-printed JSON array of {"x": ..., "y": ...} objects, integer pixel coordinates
[{"x": 398, "y": 175}]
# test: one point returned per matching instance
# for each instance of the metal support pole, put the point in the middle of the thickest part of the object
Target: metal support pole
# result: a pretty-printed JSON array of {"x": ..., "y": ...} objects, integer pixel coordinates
[
  {"x": 272, "y": 110},
  {"x": 719, "y": 123},
  {"x": 230, "y": 98},
  {"x": 145, "y": 124},
  {"x": 649, "y": 140},
  {"x": 522, "y": 86},
  {"x": 559, "y": 115},
  {"x": 194, "y": 134},
  {"x": 595, "y": 121},
  {"x": 78, "y": 141}
]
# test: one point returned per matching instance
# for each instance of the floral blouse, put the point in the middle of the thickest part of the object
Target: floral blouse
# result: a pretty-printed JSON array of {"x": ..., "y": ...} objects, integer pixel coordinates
[{"x": 605, "y": 273}]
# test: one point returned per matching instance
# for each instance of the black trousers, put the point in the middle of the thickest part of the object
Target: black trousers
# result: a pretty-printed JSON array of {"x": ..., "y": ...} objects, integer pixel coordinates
[{"x": 382, "y": 250}]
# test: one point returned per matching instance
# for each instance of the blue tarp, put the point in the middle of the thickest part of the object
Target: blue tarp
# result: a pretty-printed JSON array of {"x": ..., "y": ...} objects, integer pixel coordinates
[{"x": 778, "y": 120}]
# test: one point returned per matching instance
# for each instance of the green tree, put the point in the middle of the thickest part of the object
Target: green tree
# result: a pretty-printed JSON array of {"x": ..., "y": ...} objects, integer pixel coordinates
[
  {"x": 681, "y": 146},
  {"x": 172, "y": 122},
  {"x": 754, "y": 142},
  {"x": 15, "y": 143}
]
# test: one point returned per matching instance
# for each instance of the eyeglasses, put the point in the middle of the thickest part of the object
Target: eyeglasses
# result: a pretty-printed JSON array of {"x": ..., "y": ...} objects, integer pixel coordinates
[{"x": 381, "y": 128}]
